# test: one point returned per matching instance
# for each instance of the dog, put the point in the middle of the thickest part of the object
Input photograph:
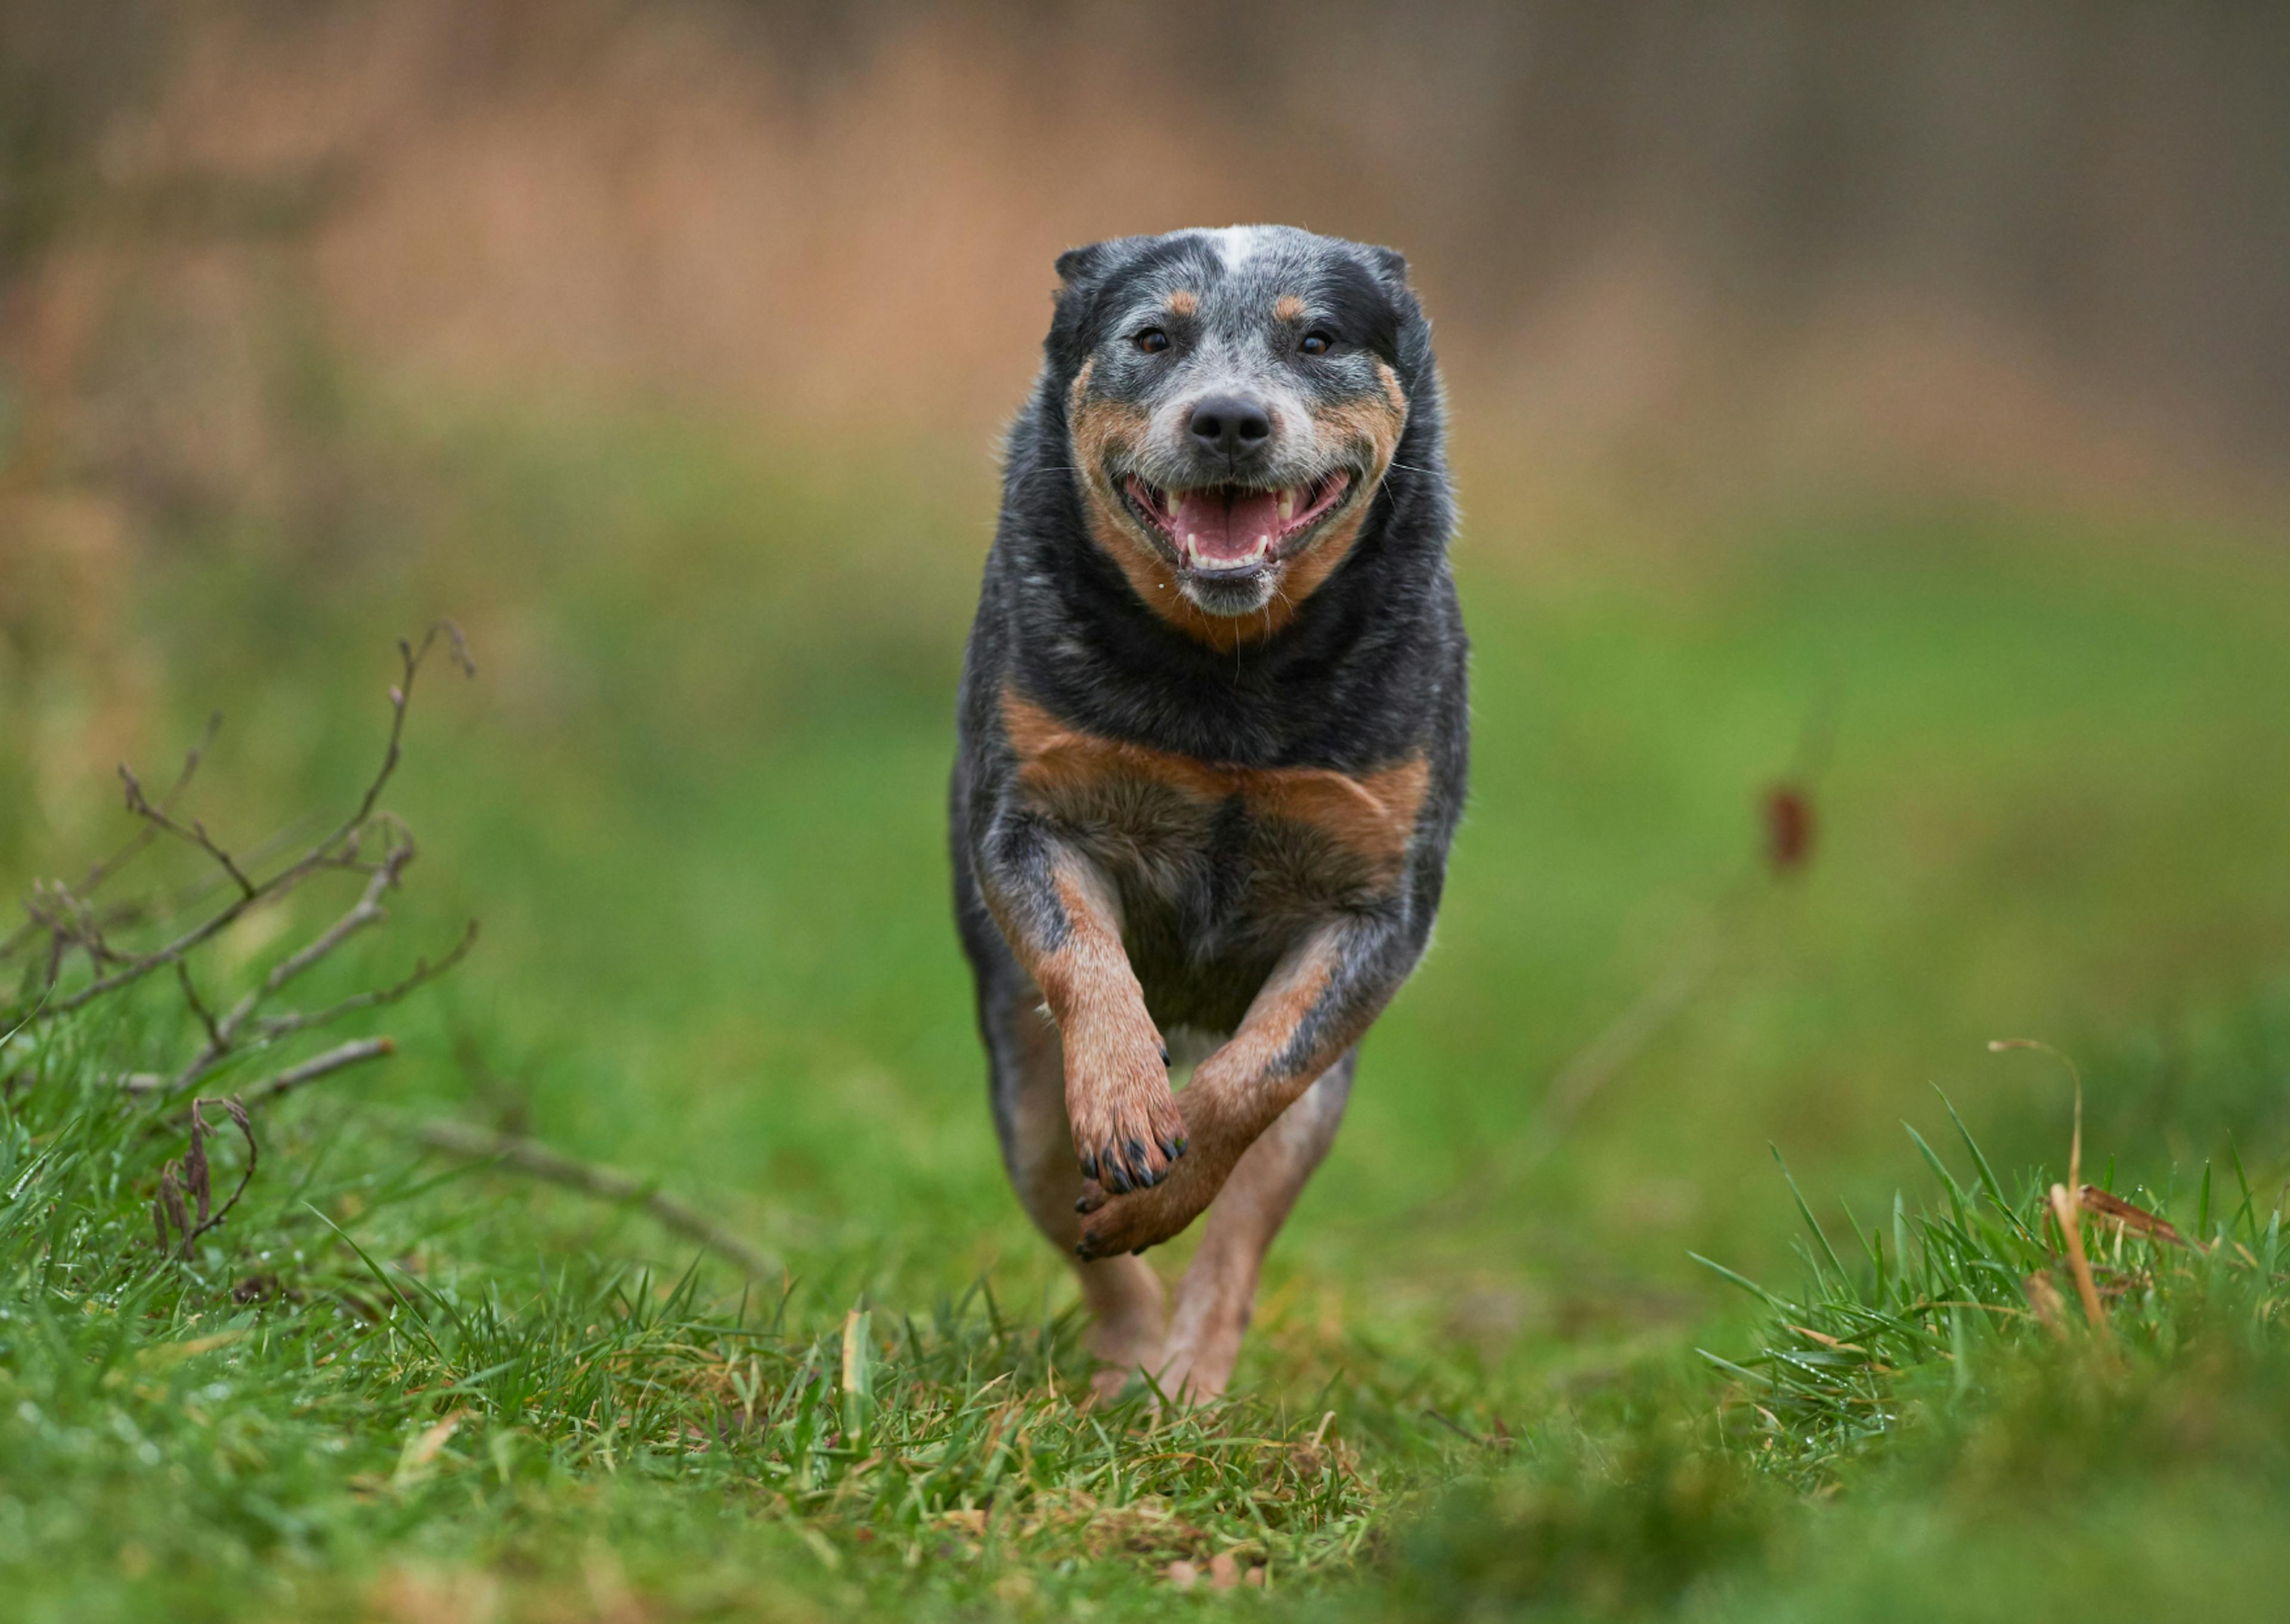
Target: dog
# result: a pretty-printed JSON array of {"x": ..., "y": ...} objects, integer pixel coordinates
[{"x": 1213, "y": 741}]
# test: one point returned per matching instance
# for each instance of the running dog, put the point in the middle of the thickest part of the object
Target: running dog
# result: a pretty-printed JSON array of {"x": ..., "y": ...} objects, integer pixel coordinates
[{"x": 1214, "y": 743}]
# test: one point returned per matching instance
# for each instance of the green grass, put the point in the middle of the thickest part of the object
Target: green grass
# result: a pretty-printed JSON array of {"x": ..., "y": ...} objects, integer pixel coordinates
[{"x": 695, "y": 796}]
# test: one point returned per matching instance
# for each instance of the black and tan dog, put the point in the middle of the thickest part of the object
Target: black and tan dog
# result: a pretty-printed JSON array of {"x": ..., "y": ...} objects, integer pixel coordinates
[{"x": 1213, "y": 751}]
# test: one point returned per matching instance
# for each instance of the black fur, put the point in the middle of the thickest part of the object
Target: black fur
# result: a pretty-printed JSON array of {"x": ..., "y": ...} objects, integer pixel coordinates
[{"x": 1369, "y": 672}]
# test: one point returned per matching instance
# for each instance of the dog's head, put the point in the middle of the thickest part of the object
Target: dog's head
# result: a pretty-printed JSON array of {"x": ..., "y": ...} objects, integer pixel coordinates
[{"x": 1233, "y": 400}]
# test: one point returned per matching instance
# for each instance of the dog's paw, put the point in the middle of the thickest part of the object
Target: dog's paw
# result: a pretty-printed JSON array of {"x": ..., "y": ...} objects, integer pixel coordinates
[
  {"x": 1113, "y": 1224},
  {"x": 1127, "y": 1128}
]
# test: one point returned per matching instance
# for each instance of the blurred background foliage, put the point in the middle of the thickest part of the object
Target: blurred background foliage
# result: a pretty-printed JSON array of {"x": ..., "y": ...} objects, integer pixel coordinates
[
  {"x": 1893, "y": 398},
  {"x": 1888, "y": 404}
]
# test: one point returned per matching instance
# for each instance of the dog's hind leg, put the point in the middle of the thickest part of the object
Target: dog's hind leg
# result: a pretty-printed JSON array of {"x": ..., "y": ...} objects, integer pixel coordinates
[
  {"x": 1123, "y": 1294},
  {"x": 1218, "y": 1290}
]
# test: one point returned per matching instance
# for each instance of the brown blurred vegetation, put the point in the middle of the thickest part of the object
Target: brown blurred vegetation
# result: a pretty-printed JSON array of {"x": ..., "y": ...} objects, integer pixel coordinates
[
  {"x": 2050, "y": 233},
  {"x": 1680, "y": 251}
]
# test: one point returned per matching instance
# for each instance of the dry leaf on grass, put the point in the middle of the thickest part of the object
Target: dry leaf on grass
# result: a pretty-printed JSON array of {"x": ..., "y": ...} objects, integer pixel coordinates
[
  {"x": 419, "y": 1458},
  {"x": 2093, "y": 1199}
]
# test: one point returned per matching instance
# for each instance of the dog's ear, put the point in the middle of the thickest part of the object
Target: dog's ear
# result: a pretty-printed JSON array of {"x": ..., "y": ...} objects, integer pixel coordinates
[
  {"x": 1389, "y": 267},
  {"x": 1391, "y": 315},
  {"x": 1081, "y": 272},
  {"x": 1076, "y": 266},
  {"x": 1391, "y": 264}
]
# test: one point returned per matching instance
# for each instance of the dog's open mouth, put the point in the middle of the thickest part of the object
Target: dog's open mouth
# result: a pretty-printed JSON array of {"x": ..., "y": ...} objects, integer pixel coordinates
[{"x": 1236, "y": 530}]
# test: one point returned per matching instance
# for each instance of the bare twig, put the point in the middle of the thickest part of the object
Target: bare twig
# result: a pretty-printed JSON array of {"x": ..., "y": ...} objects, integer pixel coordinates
[
  {"x": 422, "y": 972},
  {"x": 69, "y": 926},
  {"x": 2091, "y": 1198},
  {"x": 224, "y": 1036},
  {"x": 246, "y": 1175},
  {"x": 102, "y": 870},
  {"x": 355, "y": 1053},
  {"x": 194, "y": 832},
  {"x": 193, "y": 1174},
  {"x": 606, "y": 1184},
  {"x": 197, "y": 1006},
  {"x": 371, "y": 843}
]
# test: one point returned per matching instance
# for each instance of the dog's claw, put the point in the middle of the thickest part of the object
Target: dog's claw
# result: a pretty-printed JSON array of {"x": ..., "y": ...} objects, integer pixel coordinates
[
  {"x": 1165, "y": 1054},
  {"x": 1089, "y": 1165}
]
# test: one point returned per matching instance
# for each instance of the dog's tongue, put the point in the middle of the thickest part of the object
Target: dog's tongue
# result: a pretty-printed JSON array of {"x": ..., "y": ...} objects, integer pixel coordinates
[{"x": 1223, "y": 527}]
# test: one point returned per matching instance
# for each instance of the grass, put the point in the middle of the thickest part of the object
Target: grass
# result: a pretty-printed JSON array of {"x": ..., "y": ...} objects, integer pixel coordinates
[
  {"x": 1941, "y": 1302},
  {"x": 694, "y": 797},
  {"x": 338, "y": 1378}
]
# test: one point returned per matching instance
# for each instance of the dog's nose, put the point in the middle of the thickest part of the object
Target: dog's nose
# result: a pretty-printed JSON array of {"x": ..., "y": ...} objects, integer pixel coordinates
[{"x": 1230, "y": 425}]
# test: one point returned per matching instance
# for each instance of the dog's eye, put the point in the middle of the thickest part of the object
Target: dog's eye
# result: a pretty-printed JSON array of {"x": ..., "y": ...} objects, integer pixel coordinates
[
  {"x": 1316, "y": 343},
  {"x": 1152, "y": 340}
]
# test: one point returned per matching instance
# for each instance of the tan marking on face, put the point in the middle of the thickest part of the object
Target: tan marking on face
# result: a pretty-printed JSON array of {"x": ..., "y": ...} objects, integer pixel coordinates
[
  {"x": 1392, "y": 392},
  {"x": 1372, "y": 815},
  {"x": 1287, "y": 307},
  {"x": 1096, "y": 428},
  {"x": 1312, "y": 568},
  {"x": 1372, "y": 426},
  {"x": 1184, "y": 301}
]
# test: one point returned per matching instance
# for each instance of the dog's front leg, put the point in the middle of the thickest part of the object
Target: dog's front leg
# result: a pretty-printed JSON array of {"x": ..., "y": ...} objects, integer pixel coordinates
[
  {"x": 1315, "y": 1005},
  {"x": 1063, "y": 922}
]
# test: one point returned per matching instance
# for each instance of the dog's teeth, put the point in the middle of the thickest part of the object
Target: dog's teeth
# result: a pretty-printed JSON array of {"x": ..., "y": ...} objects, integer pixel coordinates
[{"x": 1287, "y": 506}]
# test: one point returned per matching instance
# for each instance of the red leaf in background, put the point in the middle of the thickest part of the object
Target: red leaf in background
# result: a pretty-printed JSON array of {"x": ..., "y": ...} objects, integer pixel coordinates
[{"x": 1789, "y": 828}]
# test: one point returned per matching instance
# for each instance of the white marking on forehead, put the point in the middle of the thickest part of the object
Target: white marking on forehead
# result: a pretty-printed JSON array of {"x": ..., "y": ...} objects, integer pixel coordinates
[{"x": 1238, "y": 245}]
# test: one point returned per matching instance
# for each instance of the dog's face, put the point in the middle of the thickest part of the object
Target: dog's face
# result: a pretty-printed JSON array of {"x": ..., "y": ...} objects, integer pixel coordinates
[{"x": 1235, "y": 398}]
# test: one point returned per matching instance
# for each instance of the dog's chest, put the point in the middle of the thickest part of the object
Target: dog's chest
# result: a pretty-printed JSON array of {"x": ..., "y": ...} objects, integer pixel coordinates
[{"x": 1231, "y": 852}]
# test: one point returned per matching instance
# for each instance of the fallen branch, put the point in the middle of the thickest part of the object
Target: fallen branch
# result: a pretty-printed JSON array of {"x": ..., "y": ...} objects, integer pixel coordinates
[
  {"x": 371, "y": 842},
  {"x": 353, "y": 1054},
  {"x": 61, "y": 925},
  {"x": 605, "y": 1183},
  {"x": 69, "y": 922}
]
